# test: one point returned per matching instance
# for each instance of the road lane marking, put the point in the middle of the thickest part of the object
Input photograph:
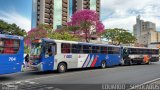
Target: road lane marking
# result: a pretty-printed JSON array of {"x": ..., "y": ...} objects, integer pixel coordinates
[{"x": 148, "y": 82}]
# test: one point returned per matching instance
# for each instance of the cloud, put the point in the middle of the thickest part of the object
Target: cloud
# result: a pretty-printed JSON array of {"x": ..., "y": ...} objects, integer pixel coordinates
[
  {"x": 122, "y": 13},
  {"x": 14, "y": 17},
  {"x": 126, "y": 23}
]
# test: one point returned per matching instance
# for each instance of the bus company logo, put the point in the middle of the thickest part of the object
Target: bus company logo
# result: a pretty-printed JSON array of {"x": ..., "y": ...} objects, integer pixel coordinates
[
  {"x": 107, "y": 57},
  {"x": 67, "y": 56},
  {"x": 12, "y": 59}
]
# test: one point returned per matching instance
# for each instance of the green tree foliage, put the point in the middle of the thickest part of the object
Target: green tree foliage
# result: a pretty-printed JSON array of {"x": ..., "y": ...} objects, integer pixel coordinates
[
  {"x": 119, "y": 36},
  {"x": 12, "y": 28},
  {"x": 46, "y": 27},
  {"x": 63, "y": 34},
  {"x": 45, "y": 31},
  {"x": 26, "y": 49}
]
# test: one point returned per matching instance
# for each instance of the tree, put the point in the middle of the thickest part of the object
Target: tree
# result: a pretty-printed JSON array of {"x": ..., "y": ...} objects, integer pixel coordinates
[
  {"x": 45, "y": 31},
  {"x": 111, "y": 35},
  {"x": 26, "y": 49},
  {"x": 85, "y": 22},
  {"x": 45, "y": 27},
  {"x": 125, "y": 38},
  {"x": 63, "y": 34},
  {"x": 11, "y": 28},
  {"x": 119, "y": 36},
  {"x": 35, "y": 33}
]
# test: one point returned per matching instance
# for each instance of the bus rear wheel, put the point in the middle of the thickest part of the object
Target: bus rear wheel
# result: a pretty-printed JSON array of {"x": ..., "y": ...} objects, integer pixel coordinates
[
  {"x": 103, "y": 64},
  {"x": 62, "y": 67},
  {"x": 148, "y": 63}
]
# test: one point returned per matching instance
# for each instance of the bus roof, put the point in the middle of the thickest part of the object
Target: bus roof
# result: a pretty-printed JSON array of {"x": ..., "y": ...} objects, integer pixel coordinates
[
  {"x": 11, "y": 36},
  {"x": 74, "y": 42},
  {"x": 139, "y": 47}
]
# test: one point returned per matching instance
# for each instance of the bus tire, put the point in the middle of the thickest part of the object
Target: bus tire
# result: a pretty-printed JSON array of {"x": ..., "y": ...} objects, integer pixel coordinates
[
  {"x": 148, "y": 63},
  {"x": 122, "y": 62},
  {"x": 62, "y": 67},
  {"x": 127, "y": 62},
  {"x": 103, "y": 64}
]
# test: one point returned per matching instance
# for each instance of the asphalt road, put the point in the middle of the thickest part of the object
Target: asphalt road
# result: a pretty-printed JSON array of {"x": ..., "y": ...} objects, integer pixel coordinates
[{"x": 93, "y": 79}]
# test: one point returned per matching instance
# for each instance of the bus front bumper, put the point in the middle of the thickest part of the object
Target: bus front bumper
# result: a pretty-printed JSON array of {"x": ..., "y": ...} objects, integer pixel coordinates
[{"x": 37, "y": 67}]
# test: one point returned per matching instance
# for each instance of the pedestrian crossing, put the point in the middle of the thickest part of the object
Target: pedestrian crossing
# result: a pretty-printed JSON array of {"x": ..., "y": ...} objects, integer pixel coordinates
[{"x": 27, "y": 85}]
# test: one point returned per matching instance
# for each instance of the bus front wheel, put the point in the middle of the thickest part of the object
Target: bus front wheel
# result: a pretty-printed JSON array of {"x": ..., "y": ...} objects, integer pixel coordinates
[
  {"x": 103, "y": 64},
  {"x": 62, "y": 67},
  {"x": 127, "y": 62}
]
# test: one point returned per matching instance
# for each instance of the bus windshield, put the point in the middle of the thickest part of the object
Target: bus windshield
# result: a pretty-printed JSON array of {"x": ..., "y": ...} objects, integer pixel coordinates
[{"x": 35, "y": 49}]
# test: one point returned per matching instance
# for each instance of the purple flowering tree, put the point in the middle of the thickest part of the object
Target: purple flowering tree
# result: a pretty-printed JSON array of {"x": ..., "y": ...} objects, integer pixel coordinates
[
  {"x": 85, "y": 23},
  {"x": 35, "y": 33}
]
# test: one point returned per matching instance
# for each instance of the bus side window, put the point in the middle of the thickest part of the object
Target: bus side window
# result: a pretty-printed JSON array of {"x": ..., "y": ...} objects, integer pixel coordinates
[
  {"x": 1, "y": 46},
  {"x": 65, "y": 48},
  {"x": 48, "y": 51}
]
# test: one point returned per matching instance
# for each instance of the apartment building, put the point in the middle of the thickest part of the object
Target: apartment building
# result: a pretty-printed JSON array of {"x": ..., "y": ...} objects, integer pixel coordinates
[{"x": 57, "y": 13}]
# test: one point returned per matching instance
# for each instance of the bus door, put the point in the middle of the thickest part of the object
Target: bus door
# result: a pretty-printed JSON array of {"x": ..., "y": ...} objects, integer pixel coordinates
[{"x": 48, "y": 59}]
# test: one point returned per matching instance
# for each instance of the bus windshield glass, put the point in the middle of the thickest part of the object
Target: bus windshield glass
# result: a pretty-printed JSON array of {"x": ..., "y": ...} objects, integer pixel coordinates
[{"x": 35, "y": 49}]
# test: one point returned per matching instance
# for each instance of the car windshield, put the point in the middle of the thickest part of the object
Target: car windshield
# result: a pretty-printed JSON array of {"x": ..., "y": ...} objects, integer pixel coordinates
[{"x": 36, "y": 49}]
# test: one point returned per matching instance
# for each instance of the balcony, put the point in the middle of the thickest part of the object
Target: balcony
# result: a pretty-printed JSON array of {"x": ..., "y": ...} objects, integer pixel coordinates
[
  {"x": 47, "y": 6},
  {"x": 38, "y": 13},
  {"x": 86, "y": 7},
  {"x": 64, "y": 14},
  {"x": 47, "y": 15},
  {"x": 98, "y": 1},
  {"x": 47, "y": 21},
  {"x": 98, "y": 10},
  {"x": 98, "y": 6},
  {"x": 47, "y": 10},
  {"x": 64, "y": 19},
  {"x": 50, "y": 12},
  {"x": 65, "y": 1},
  {"x": 85, "y": 2},
  {"x": 38, "y": 3},
  {"x": 64, "y": 10},
  {"x": 48, "y": 1}
]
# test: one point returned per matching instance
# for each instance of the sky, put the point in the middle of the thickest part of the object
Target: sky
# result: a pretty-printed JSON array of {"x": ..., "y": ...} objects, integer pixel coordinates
[{"x": 114, "y": 13}]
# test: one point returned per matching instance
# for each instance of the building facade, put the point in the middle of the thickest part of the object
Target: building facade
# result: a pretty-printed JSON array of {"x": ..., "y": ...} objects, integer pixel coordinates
[
  {"x": 145, "y": 32},
  {"x": 57, "y": 13}
]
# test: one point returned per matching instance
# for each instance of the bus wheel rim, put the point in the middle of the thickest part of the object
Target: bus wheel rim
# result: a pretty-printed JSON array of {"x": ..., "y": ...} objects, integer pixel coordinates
[
  {"x": 103, "y": 65},
  {"x": 62, "y": 67}
]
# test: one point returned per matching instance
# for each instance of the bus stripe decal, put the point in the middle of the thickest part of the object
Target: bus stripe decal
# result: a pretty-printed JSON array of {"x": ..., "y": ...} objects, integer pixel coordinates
[
  {"x": 94, "y": 61},
  {"x": 85, "y": 61},
  {"x": 89, "y": 61},
  {"x": 89, "y": 64}
]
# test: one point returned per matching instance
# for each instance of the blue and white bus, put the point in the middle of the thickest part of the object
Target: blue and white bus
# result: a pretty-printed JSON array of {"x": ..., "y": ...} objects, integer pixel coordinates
[
  {"x": 11, "y": 53},
  {"x": 49, "y": 54}
]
